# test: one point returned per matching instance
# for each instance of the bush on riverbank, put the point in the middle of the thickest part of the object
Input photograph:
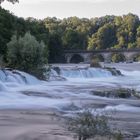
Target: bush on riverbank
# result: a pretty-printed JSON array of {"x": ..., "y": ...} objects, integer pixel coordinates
[
  {"x": 117, "y": 57},
  {"x": 95, "y": 63},
  {"x": 86, "y": 125},
  {"x": 27, "y": 54},
  {"x": 137, "y": 58},
  {"x": 98, "y": 57}
]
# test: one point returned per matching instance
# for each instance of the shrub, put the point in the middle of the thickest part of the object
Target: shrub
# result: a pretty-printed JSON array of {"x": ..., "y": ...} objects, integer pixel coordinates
[
  {"x": 124, "y": 93},
  {"x": 87, "y": 125},
  {"x": 98, "y": 57},
  {"x": 118, "y": 58},
  {"x": 114, "y": 71},
  {"x": 95, "y": 63},
  {"x": 137, "y": 58},
  {"x": 27, "y": 54},
  {"x": 116, "y": 93}
]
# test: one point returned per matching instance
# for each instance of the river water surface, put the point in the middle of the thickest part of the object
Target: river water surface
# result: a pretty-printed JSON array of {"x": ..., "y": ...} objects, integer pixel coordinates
[{"x": 73, "y": 91}]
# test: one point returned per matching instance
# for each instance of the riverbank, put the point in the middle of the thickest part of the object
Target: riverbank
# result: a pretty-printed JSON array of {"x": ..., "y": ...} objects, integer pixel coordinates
[{"x": 29, "y": 124}]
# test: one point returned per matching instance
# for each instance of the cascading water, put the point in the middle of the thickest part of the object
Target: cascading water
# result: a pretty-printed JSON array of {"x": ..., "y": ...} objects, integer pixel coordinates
[
  {"x": 83, "y": 73},
  {"x": 14, "y": 78},
  {"x": 18, "y": 77},
  {"x": 2, "y": 87},
  {"x": 19, "y": 89},
  {"x": 72, "y": 95},
  {"x": 13, "y": 83}
]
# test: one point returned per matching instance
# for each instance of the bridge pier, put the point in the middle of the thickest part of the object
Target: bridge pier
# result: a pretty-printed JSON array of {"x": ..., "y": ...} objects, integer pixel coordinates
[
  {"x": 107, "y": 56},
  {"x": 68, "y": 58},
  {"x": 130, "y": 56}
]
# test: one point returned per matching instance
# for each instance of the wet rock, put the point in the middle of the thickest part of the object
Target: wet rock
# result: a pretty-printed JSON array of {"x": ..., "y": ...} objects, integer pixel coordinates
[
  {"x": 57, "y": 69},
  {"x": 57, "y": 78},
  {"x": 55, "y": 75},
  {"x": 114, "y": 71},
  {"x": 115, "y": 93}
]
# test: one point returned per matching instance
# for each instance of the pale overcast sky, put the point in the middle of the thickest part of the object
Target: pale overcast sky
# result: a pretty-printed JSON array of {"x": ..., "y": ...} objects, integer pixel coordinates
[{"x": 66, "y": 8}]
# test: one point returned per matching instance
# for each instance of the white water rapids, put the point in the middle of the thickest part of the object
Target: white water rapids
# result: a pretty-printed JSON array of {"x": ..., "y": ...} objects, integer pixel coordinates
[{"x": 21, "y": 90}]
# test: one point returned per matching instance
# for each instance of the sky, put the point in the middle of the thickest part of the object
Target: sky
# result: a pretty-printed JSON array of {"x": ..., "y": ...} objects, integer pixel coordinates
[{"x": 66, "y": 8}]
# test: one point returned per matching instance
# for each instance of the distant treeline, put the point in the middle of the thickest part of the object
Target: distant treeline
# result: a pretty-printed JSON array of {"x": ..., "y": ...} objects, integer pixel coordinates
[{"x": 108, "y": 32}]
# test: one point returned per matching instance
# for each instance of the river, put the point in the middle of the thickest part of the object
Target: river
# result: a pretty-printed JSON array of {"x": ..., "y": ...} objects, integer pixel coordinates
[{"x": 75, "y": 92}]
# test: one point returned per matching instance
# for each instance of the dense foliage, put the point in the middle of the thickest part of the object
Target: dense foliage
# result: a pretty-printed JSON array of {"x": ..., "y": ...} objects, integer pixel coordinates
[
  {"x": 108, "y": 32},
  {"x": 10, "y": 25},
  {"x": 118, "y": 57},
  {"x": 12, "y": 1},
  {"x": 27, "y": 54}
]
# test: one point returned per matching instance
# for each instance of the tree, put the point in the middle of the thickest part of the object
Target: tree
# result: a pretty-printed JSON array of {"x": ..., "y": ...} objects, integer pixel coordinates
[
  {"x": 108, "y": 32},
  {"x": 138, "y": 37},
  {"x": 27, "y": 54},
  {"x": 55, "y": 49},
  {"x": 6, "y": 30},
  {"x": 137, "y": 58},
  {"x": 126, "y": 30},
  {"x": 72, "y": 40},
  {"x": 12, "y": 1},
  {"x": 104, "y": 38}
]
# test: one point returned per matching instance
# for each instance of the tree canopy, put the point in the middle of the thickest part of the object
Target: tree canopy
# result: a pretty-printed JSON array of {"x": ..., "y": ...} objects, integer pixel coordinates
[
  {"x": 73, "y": 33},
  {"x": 27, "y": 54},
  {"x": 12, "y": 1}
]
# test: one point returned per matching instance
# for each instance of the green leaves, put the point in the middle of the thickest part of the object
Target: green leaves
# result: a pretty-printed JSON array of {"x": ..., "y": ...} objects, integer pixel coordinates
[
  {"x": 27, "y": 54},
  {"x": 12, "y": 1},
  {"x": 105, "y": 38}
]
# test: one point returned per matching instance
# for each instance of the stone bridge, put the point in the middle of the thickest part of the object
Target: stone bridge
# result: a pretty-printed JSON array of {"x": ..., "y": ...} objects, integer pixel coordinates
[{"x": 77, "y": 56}]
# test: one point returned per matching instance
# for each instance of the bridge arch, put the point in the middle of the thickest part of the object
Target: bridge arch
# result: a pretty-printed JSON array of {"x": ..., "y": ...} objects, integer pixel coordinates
[
  {"x": 131, "y": 55},
  {"x": 118, "y": 57},
  {"x": 76, "y": 58},
  {"x": 135, "y": 57}
]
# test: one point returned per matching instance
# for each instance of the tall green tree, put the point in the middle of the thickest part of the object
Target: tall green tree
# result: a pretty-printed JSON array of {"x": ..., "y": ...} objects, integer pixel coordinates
[
  {"x": 105, "y": 38},
  {"x": 72, "y": 40},
  {"x": 55, "y": 49},
  {"x": 6, "y": 30},
  {"x": 27, "y": 54},
  {"x": 12, "y": 1}
]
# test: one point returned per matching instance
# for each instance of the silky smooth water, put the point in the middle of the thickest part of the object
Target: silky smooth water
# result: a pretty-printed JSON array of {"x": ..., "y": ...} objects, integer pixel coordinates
[{"x": 76, "y": 89}]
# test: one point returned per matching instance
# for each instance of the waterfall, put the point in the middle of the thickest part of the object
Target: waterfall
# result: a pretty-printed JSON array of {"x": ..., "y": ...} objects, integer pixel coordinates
[
  {"x": 84, "y": 72},
  {"x": 2, "y": 87},
  {"x": 15, "y": 77}
]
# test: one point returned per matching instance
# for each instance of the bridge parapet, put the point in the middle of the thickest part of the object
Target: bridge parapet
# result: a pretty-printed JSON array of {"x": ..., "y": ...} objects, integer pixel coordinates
[{"x": 86, "y": 55}]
